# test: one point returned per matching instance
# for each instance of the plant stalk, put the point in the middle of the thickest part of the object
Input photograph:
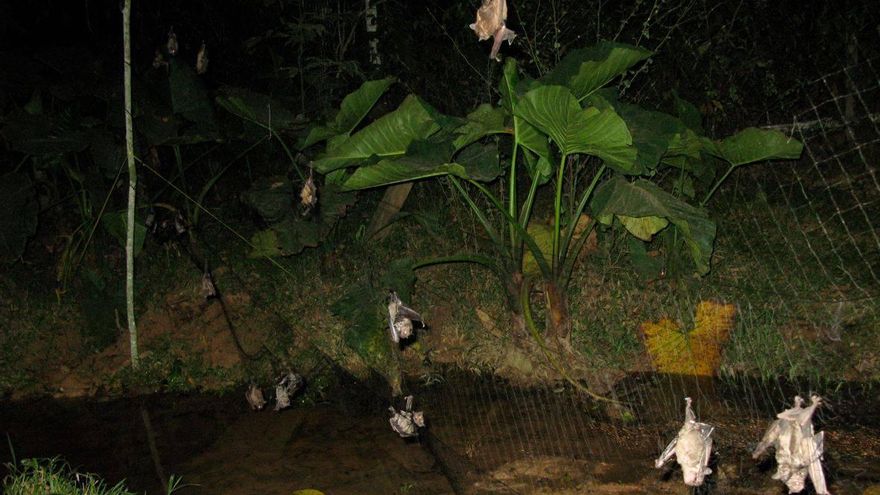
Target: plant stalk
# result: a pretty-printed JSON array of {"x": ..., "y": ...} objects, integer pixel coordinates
[
  {"x": 717, "y": 184},
  {"x": 132, "y": 187},
  {"x": 557, "y": 207}
]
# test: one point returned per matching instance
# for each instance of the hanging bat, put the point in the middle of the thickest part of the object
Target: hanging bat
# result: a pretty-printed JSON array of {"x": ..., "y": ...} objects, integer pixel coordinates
[
  {"x": 491, "y": 17},
  {"x": 692, "y": 448},
  {"x": 202, "y": 59},
  {"x": 400, "y": 318},
  {"x": 255, "y": 398},
  {"x": 798, "y": 449}
]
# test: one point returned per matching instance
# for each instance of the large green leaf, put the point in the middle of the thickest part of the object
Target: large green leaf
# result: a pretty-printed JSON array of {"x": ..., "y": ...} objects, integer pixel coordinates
[
  {"x": 387, "y": 137},
  {"x": 508, "y": 85},
  {"x": 688, "y": 114},
  {"x": 754, "y": 145},
  {"x": 587, "y": 69},
  {"x": 18, "y": 214},
  {"x": 115, "y": 223},
  {"x": 652, "y": 132},
  {"x": 643, "y": 198},
  {"x": 656, "y": 135},
  {"x": 480, "y": 162},
  {"x": 294, "y": 235},
  {"x": 423, "y": 158},
  {"x": 532, "y": 139},
  {"x": 539, "y": 168},
  {"x": 388, "y": 172},
  {"x": 365, "y": 332},
  {"x": 257, "y": 108},
  {"x": 483, "y": 121},
  {"x": 429, "y": 158},
  {"x": 353, "y": 109},
  {"x": 42, "y": 135},
  {"x": 271, "y": 197},
  {"x": 363, "y": 307},
  {"x": 556, "y": 112},
  {"x": 188, "y": 95}
]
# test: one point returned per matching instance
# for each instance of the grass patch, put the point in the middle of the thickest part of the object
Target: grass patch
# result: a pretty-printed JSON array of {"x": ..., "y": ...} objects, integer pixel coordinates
[{"x": 56, "y": 477}]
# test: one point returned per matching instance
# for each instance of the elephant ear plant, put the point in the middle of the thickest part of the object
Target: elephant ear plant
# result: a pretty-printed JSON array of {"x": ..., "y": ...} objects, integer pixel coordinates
[{"x": 601, "y": 158}]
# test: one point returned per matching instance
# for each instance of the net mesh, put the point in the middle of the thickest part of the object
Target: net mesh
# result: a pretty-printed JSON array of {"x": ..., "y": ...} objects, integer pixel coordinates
[{"x": 798, "y": 258}]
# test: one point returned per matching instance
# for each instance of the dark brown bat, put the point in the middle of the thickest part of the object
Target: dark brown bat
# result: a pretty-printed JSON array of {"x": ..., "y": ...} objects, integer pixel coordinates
[{"x": 490, "y": 23}]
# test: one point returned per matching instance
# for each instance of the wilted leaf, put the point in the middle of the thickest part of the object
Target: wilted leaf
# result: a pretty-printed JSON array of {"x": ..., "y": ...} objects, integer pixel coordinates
[
  {"x": 543, "y": 236},
  {"x": 264, "y": 244},
  {"x": 697, "y": 352},
  {"x": 643, "y": 227}
]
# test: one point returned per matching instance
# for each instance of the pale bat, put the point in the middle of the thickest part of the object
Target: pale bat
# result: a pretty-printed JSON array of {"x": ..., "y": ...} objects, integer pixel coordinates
[
  {"x": 490, "y": 23},
  {"x": 400, "y": 318},
  {"x": 692, "y": 447},
  {"x": 798, "y": 449}
]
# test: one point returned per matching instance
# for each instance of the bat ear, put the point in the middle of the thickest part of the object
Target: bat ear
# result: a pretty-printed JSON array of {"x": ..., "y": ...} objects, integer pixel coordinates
[{"x": 473, "y": 26}]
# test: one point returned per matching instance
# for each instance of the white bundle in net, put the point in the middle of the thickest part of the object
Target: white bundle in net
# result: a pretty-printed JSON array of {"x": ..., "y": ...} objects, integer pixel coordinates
[
  {"x": 692, "y": 448},
  {"x": 798, "y": 449}
]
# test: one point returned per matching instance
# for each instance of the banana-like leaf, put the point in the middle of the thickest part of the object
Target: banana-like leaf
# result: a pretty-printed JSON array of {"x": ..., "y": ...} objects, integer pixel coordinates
[
  {"x": 587, "y": 69},
  {"x": 557, "y": 113},
  {"x": 754, "y": 145},
  {"x": 353, "y": 109},
  {"x": 643, "y": 198},
  {"x": 387, "y": 137}
]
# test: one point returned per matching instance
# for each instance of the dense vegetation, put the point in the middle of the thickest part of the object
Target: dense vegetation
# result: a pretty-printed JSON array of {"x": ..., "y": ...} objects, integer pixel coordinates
[{"x": 531, "y": 201}]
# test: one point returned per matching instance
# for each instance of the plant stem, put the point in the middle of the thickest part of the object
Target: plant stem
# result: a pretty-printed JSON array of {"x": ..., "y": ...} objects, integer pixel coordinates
[
  {"x": 557, "y": 206},
  {"x": 712, "y": 191},
  {"x": 511, "y": 194},
  {"x": 577, "y": 213},
  {"x": 132, "y": 186}
]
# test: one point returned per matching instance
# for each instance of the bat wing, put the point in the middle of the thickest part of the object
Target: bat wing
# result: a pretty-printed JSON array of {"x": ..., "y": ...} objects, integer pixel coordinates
[
  {"x": 395, "y": 337},
  {"x": 407, "y": 313},
  {"x": 769, "y": 437},
  {"x": 667, "y": 454},
  {"x": 815, "y": 467}
]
